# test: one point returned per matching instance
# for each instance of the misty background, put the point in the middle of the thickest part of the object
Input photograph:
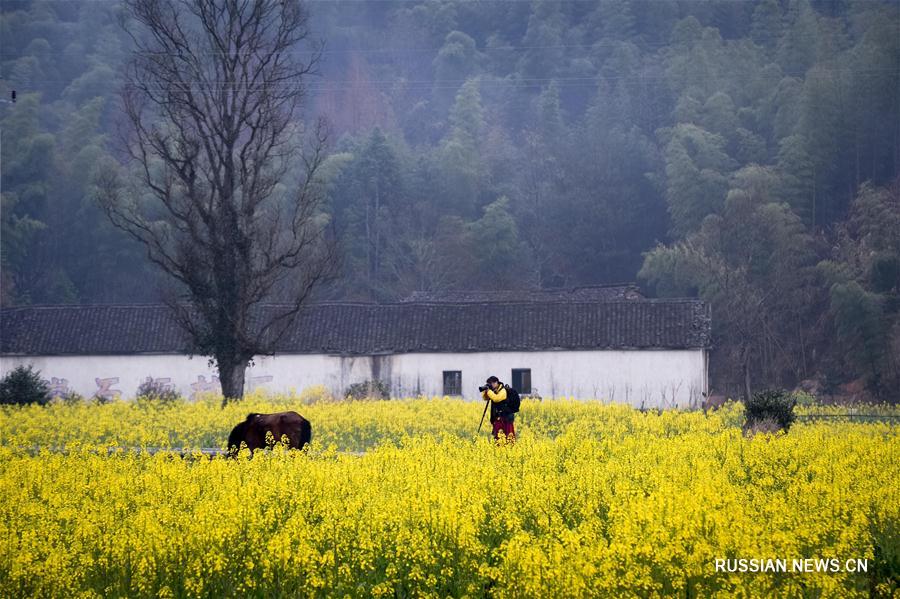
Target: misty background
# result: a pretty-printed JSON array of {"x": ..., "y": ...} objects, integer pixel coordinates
[{"x": 743, "y": 152}]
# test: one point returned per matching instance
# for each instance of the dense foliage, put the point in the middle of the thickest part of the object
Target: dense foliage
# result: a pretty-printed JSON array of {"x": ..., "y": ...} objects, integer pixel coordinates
[
  {"x": 22, "y": 385},
  {"x": 152, "y": 392},
  {"x": 592, "y": 500},
  {"x": 770, "y": 405},
  {"x": 747, "y": 152}
]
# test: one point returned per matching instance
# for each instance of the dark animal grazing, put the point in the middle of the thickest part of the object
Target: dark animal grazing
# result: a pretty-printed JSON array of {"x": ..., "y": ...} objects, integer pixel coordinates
[{"x": 252, "y": 431}]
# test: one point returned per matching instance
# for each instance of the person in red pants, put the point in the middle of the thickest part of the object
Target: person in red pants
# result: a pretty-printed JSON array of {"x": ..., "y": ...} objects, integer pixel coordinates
[{"x": 501, "y": 417}]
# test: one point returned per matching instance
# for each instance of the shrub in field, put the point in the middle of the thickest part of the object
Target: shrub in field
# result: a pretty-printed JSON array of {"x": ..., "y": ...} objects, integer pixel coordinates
[
  {"x": 71, "y": 398},
  {"x": 152, "y": 392},
  {"x": 803, "y": 398},
  {"x": 23, "y": 386},
  {"x": 769, "y": 411},
  {"x": 102, "y": 400},
  {"x": 368, "y": 390}
]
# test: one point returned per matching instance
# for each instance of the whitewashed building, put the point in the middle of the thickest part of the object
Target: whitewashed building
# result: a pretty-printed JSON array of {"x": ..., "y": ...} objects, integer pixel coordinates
[{"x": 588, "y": 345}]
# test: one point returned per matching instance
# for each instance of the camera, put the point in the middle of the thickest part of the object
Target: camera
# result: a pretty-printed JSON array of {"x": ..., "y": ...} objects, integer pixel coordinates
[{"x": 484, "y": 388}]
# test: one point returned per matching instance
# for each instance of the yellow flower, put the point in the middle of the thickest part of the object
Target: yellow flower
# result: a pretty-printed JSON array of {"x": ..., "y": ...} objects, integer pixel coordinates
[{"x": 592, "y": 499}]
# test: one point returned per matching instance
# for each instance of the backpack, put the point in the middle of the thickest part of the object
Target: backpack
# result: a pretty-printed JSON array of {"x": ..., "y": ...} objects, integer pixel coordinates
[{"x": 512, "y": 399}]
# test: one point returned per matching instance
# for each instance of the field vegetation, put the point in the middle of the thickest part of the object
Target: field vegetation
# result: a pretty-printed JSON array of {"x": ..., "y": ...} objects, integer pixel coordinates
[{"x": 593, "y": 500}]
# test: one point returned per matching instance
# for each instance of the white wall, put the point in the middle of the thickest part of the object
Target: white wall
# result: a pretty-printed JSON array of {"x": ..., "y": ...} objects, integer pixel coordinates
[
  {"x": 658, "y": 378},
  {"x": 662, "y": 378}
]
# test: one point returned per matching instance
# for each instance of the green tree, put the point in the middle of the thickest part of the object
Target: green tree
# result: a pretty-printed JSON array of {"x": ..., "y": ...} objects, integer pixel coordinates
[
  {"x": 461, "y": 169},
  {"x": 753, "y": 263},
  {"x": 496, "y": 237},
  {"x": 768, "y": 24},
  {"x": 859, "y": 325},
  {"x": 785, "y": 108},
  {"x": 824, "y": 127},
  {"x": 382, "y": 188},
  {"x": 466, "y": 115},
  {"x": 797, "y": 50},
  {"x": 874, "y": 89},
  {"x": 543, "y": 41},
  {"x": 28, "y": 162},
  {"x": 697, "y": 169},
  {"x": 550, "y": 122},
  {"x": 457, "y": 60},
  {"x": 797, "y": 186},
  {"x": 862, "y": 276},
  {"x": 614, "y": 20},
  {"x": 366, "y": 193},
  {"x": 720, "y": 116},
  {"x": 750, "y": 148}
]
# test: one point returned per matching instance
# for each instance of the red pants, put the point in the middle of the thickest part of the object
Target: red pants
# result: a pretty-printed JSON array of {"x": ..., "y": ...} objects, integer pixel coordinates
[{"x": 506, "y": 427}]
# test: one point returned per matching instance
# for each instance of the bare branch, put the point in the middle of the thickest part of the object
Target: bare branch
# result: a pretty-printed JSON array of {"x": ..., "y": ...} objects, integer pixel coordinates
[{"x": 211, "y": 94}]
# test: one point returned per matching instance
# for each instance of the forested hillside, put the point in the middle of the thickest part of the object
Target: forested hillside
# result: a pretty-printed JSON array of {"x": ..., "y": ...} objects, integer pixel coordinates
[{"x": 744, "y": 152}]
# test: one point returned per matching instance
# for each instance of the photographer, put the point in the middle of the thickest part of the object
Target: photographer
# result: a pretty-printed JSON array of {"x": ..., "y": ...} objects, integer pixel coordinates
[{"x": 501, "y": 416}]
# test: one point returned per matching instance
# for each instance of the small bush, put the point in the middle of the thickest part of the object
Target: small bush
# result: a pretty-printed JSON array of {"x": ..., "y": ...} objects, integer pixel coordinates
[
  {"x": 152, "y": 392},
  {"x": 885, "y": 272},
  {"x": 69, "y": 398},
  {"x": 73, "y": 398},
  {"x": 23, "y": 386},
  {"x": 769, "y": 409},
  {"x": 368, "y": 390},
  {"x": 804, "y": 399}
]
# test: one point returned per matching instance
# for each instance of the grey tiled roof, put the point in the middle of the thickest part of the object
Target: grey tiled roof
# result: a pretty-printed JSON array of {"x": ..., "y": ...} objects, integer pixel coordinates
[
  {"x": 587, "y": 293},
  {"x": 362, "y": 329}
]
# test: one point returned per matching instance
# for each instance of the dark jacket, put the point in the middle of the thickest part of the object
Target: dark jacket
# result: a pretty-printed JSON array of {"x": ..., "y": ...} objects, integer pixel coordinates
[{"x": 499, "y": 405}]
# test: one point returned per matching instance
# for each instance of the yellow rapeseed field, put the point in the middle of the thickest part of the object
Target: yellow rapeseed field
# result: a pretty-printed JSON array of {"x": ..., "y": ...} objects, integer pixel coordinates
[{"x": 593, "y": 500}]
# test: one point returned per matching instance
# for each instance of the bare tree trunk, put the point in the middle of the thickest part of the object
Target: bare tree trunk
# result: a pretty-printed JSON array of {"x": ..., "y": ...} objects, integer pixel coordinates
[
  {"x": 212, "y": 94},
  {"x": 814, "y": 198},
  {"x": 375, "y": 219},
  {"x": 745, "y": 366},
  {"x": 231, "y": 377}
]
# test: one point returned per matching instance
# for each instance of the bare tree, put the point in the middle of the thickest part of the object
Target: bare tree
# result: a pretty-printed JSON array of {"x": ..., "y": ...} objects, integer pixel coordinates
[{"x": 211, "y": 93}]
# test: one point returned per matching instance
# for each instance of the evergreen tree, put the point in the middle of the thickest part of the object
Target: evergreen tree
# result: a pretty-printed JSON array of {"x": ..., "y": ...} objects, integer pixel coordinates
[
  {"x": 859, "y": 327},
  {"x": 720, "y": 116},
  {"x": 542, "y": 43},
  {"x": 767, "y": 25},
  {"x": 461, "y": 171},
  {"x": 797, "y": 186},
  {"x": 797, "y": 50},
  {"x": 549, "y": 115},
  {"x": 457, "y": 59},
  {"x": 496, "y": 236},
  {"x": 823, "y": 124},
  {"x": 614, "y": 19},
  {"x": 753, "y": 262},
  {"x": 696, "y": 171}
]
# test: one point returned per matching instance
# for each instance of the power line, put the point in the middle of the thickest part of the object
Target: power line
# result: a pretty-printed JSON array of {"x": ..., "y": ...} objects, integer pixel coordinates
[
  {"x": 432, "y": 50},
  {"x": 313, "y": 85}
]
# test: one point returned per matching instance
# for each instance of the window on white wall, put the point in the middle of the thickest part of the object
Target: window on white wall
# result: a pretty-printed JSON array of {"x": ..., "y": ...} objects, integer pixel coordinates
[
  {"x": 453, "y": 382},
  {"x": 521, "y": 380}
]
